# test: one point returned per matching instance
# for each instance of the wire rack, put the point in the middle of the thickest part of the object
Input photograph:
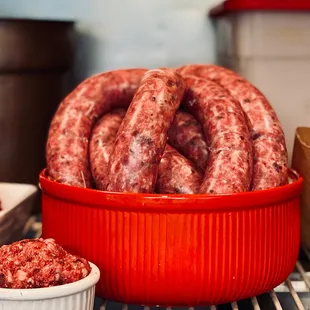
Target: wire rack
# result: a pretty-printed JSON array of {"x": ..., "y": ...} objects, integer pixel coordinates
[{"x": 293, "y": 294}]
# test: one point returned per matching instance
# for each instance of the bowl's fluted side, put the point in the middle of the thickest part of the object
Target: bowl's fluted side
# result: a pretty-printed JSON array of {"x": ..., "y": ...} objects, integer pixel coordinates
[{"x": 179, "y": 258}]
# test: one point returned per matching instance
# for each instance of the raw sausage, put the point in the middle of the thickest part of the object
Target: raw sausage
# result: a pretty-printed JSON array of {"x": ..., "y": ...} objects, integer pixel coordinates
[
  {"x": 186, "y": 135},
  {"x": 67, "y": 144},
  {"x": 229, "y": 168},
  {"x": 177, "y": 175},
  {"x": 101, "y": 144},
  {"x": 270, "y": 154},
  {"x": 142, "y": 137}
]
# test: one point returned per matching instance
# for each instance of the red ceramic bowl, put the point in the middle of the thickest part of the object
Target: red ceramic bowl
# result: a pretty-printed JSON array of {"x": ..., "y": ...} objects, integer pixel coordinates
[{"x": 178, "y": 250}]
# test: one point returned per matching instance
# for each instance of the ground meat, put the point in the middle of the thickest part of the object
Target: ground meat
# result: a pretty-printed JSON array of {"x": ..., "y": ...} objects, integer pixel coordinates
[{"x": 37, "y": 263}]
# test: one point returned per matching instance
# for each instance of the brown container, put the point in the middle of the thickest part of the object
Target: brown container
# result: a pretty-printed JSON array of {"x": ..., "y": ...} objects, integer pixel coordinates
[
  {"x": 36, "y": 58},
  {"x": 301, "y": 162}
]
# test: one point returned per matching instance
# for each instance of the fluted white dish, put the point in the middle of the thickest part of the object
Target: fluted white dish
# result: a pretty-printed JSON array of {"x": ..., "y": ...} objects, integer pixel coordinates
[{"x": 79, "y": 295}]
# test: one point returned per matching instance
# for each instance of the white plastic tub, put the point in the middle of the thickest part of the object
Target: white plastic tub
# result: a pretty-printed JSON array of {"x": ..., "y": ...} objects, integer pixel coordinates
[
  {"x": 268, "y": 42},
  {"x": 17, "y": 201},
  {"x": 78, "y": 295}
]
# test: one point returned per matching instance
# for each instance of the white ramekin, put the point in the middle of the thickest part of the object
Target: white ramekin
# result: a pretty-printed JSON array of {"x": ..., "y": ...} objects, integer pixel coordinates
[{"x": 78, "y": 295}]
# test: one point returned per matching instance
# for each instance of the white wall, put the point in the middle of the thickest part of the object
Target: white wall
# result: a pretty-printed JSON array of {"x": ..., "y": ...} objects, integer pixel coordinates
[{"x": 129, "y": 33}]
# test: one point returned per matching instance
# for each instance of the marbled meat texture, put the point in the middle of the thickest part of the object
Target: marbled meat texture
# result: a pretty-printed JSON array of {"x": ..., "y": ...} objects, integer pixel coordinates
[
  {"x": 186, "y": 135},
  {"x": 101, "y": 145},
  {"x": 142, "y": 137},
  {"x": 229, "y": 168},
  {"x": 38, "y": 263},
  {"x": 70, "y": 130},
  {"x": 177, "y": 174},
  {"x": 270, "y": 153}
]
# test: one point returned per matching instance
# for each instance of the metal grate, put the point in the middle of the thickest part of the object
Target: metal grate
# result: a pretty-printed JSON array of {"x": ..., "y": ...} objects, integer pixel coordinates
[{"x": 294, "y": 294}]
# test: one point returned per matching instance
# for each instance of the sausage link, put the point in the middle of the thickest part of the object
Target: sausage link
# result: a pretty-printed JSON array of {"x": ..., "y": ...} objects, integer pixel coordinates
[
  {"x": 177, "y": 175},
  {"x": 142, "y": 137},
  {"x": 101, "y": 144},
  {"x": 70, "y": 130},
  {"x": 186, "y": 135},
  {"x": 270, "y": 167},
  {"x": 229, "y": 167}
]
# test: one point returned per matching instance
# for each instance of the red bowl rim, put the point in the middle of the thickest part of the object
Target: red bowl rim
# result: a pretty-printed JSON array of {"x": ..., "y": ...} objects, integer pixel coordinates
[{"x": 172, "y": 202}]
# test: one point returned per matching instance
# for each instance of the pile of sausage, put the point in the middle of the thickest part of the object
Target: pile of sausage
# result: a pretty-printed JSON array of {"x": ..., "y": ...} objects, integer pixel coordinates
[{"x": 195, "y": 129}]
